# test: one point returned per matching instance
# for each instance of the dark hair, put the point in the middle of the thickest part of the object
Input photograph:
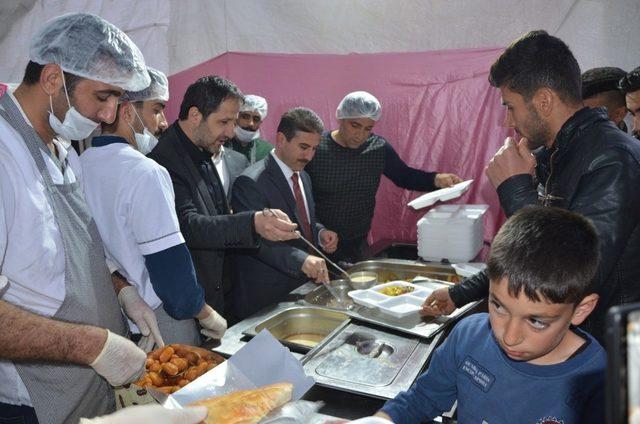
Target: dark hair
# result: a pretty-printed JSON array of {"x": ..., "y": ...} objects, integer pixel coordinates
[
  {"x": 207, "y": 93},
  {"x": 548, "y": 252},
  {"x": 300, "y": 119},
  {"x": 538, "y": 60},
  {"x": 600, "y": 80},
  {"x": 34, "y": 70},
  {"x": 630, "y": 82},
  {"x": 611, "y": 99}
]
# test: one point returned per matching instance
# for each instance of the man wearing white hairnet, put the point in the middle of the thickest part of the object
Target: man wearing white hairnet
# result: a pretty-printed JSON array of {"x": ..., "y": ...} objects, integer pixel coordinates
[
  {"x": 61, "y": 327},
  {"x": 247, "y": 139},
  {"x": 151, "y": 111},
  {"x": 346, "y": 171},
  {"x": 132, "y": 200}
]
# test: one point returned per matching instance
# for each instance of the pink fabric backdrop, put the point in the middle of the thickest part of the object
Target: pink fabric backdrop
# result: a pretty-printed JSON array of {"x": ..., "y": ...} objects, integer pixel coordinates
[{"x": 439, "y": 113}]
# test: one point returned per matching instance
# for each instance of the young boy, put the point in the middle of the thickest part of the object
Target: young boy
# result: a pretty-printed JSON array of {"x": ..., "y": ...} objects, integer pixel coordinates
[{"x": 525, "y": 361}]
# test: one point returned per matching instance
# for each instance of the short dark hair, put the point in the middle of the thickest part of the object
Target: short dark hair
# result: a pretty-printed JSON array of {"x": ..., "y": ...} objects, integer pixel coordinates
[
  {"x": 601, "y": 80},
  {"x": 630, "y": 82},
  {"x": 548, "y": 252},
  {"x": 207, "y": 93},
  {"x": 300, "y": 119},
  {"x": 611, "y": 99},
  {"x": 538, "y": 60},
  {"x": 34, "y": 70}
]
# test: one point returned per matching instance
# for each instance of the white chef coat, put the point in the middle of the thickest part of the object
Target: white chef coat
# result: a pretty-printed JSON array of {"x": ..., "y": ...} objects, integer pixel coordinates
[
  {"x": 31, "y": 250},
  {"x": 132, "y": 201},
  {"x": 288, "y": 173}
]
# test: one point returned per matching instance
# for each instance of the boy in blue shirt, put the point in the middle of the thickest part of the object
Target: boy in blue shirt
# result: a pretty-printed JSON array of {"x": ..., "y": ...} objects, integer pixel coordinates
[{"x": 525, "y": 361}]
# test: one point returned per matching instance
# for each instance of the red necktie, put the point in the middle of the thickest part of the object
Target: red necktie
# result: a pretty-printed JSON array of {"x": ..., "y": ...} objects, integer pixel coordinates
[{"x": 302, "y": 211}]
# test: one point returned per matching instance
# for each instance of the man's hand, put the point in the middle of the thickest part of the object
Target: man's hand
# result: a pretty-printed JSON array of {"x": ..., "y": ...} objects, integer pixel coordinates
[
  {"x": 438, "y": 303},
  {"x": 142, "y": 315},
  {"x": 274, "y": 225},
  {"x": 512, "y": 159},
  {"x": 328, "y": 240},
  {"x": 120, "y": 361},
  {"x": 213, "y": 324},
  {"x": 446, "y": 180},
  {"x": 316, "y": 269}
]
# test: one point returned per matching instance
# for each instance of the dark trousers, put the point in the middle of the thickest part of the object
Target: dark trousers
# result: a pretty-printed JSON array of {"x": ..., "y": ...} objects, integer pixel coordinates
[
  {"x": 351, "y": 251},
  {"x": 17, "y": 414}
]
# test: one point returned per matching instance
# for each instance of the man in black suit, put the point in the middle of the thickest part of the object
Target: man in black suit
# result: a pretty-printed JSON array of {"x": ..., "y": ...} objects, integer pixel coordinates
[
  {"x": 207, "y": 119},
  {"x": 266, "y": 275}
]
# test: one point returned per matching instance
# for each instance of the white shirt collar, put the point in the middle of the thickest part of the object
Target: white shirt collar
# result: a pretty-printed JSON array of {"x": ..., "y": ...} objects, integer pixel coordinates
[
  {"x": 17, "y": 103},
  {"x": 60, "y": 141},
  {"x": 217, "y": 158},
  {"x": 288, "y": 172}
]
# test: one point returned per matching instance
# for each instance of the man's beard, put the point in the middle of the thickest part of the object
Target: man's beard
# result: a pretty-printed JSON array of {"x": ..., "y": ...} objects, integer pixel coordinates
[
  {"x": 214, "y": 149},
  {"x": 538, "y": 132},
  {"x": 200, "y": 135}
]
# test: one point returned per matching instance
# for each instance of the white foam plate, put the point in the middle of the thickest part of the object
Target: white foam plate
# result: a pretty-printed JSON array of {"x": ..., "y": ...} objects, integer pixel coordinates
[
  {"x": 397, "y": 306},
  {"x": 469, "y": 268},
  {"x": 440, "y": 195}
]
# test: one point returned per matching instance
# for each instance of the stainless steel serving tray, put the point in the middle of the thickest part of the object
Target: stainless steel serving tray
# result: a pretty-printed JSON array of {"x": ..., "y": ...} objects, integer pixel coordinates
[
  {"x": 365, "y": 360},
  {"x": 438, "y": 276},
  {"x": 300, "y": 327},
  {"x": 402, "y": 269}
]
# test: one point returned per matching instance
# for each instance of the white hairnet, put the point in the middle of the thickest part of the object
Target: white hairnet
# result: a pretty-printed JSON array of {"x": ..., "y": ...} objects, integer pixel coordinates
[
  {"x": 157, "y": 90},
  {"x": 90, "y": 47},
  {"x": 359, "y": 104},
  {"x": 253, "y": 103}
]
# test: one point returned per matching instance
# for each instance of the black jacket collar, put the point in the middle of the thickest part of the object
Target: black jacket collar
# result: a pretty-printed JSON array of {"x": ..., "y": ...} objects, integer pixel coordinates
[
  {"x": 196, "y": 154},
  {"x": 580, "y": 120}
]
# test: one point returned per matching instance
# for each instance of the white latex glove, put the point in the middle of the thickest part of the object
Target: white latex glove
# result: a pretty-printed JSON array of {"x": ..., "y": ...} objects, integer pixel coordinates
[
  {"x": 371, "y": 420},
  {"x": 156, "y": 414},
  {"x": 4, "y": 284},
  {"x": 142, "y": 315},
  {"x": 120, "y": 361},
  {"x": 213, "y": 325}
]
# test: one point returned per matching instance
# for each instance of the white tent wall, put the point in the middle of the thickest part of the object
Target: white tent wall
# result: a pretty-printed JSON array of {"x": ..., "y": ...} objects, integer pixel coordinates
[
  {"x": 146, "y": 22},
  {"x": 177, "y": 34}
]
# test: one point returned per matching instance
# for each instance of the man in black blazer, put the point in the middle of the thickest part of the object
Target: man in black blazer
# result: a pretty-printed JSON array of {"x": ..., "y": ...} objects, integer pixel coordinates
[
  {"x": 207, "y": 119},
  {"x": 265, "y": 275}
]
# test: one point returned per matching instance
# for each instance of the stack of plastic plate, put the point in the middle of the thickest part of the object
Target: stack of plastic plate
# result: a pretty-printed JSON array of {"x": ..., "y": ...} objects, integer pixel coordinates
[{"x": 451, "y": 232}]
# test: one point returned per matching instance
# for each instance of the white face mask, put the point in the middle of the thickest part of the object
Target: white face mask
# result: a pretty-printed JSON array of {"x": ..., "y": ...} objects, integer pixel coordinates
[
  {"x": 75, "y": 126},
  {"x": 145, "y": 141},
  {"x": 246, "y": 136}
]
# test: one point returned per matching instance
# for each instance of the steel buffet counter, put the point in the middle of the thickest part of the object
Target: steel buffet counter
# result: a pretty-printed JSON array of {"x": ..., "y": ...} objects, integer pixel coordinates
[{"x": 357, "y": 356}]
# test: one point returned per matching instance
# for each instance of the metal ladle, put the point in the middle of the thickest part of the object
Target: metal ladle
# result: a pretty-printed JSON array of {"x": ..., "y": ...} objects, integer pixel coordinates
[{"x": 342, "y": 271}]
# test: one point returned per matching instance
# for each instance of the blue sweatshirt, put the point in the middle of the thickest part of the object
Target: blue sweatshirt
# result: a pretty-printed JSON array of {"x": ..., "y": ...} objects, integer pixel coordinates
[
  {"x": 173, "y": 278},
  {"x": 491, "y": 388}
]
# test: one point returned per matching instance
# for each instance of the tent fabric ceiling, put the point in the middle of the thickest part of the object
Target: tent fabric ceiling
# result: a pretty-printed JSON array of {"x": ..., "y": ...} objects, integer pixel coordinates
[
  {"x": 177, "y": 34},
  {"x": 190, "y": 38}
]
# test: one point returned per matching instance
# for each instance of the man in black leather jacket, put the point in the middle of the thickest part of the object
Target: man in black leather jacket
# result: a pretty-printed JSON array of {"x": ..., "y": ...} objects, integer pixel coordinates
[{"x": 580, "y": 162}]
